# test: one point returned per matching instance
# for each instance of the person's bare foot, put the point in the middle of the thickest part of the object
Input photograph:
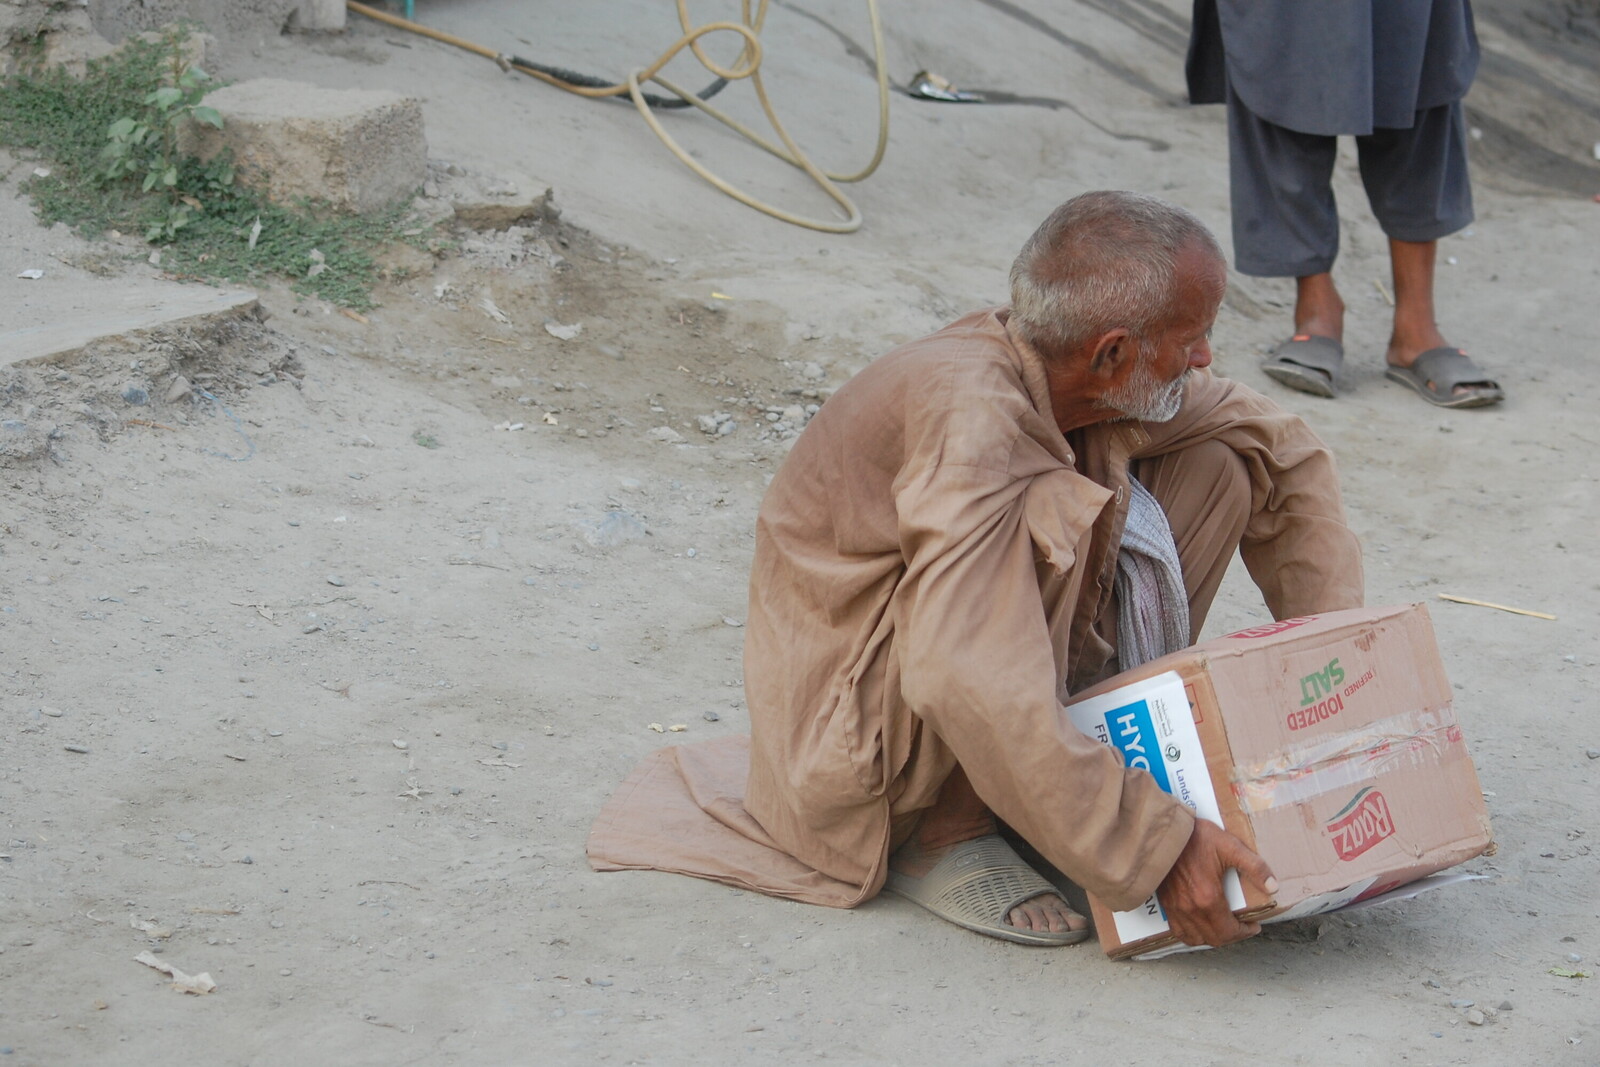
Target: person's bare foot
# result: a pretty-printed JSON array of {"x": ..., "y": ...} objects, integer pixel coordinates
[
  {"x": 1415, "y": 329},
  {"x": 1318, "y": 308},
  {"x": 1044, "y": 913},
  {"x": 1404, "y": 348}
]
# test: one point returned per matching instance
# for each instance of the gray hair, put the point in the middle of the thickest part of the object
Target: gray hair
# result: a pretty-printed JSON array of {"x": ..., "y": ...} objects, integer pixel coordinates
[{"x": 1102, "y": 260}]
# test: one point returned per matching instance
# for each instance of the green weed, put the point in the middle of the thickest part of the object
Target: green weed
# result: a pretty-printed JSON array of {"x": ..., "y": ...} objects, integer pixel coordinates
[{"x": 112, "y": 139}]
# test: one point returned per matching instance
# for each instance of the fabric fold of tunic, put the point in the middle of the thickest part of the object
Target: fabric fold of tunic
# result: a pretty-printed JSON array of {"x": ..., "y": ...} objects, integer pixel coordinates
[
  {"x": 933, "y": 576},
  {"x": 1333, "y": 68},
  {"x": 682, "y": 810}
]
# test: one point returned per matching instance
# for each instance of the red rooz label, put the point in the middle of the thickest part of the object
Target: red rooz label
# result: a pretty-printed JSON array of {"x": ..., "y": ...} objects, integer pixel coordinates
[
  {"x": 1363, "y": 823},
  {"x": 1271, "y": 628}
]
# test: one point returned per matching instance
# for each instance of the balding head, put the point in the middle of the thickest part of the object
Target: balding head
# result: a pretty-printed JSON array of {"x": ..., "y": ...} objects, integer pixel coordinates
[{"x": 1102, "y": 261}]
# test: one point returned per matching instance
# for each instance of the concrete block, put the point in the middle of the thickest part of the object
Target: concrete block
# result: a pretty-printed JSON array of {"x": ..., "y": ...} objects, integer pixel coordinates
[
  {"x": 318, "y": 16},
  {"x": 35, "y": 36},
  {"x": 237, "y": 24},
  {"x": 481, "y": 202},
  {"x": 358, "y": 149},
  {"x": 23, "y": 20}
]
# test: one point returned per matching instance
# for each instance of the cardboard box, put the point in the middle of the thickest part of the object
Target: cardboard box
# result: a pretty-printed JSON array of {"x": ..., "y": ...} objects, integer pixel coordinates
[{"x": 1327, "y": 743}]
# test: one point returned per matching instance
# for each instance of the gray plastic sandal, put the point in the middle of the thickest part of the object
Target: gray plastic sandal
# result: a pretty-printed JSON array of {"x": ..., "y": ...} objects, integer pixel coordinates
[
  {"x": 976, "y": 885},
  {"x": 1309, "y": 364},
  {"x": 1437, "y": 372}
]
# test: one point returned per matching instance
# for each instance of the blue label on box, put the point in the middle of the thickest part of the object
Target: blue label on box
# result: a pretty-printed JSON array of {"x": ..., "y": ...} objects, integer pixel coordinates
[{"x": 1133, "y": 733}]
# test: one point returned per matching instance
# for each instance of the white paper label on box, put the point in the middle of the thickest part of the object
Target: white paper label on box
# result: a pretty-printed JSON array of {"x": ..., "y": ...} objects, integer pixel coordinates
[
  {"x": 1150, "y": 723},
  {"x": 1321, "y": 902}
]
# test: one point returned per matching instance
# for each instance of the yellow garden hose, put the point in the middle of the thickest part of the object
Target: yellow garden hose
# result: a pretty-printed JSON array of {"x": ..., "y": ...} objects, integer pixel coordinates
[{"x": 748, "y": 65}]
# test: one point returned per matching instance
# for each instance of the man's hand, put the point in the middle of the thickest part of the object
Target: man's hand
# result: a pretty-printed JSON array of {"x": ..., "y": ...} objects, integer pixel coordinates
[{"x": 1192, "y": 893}]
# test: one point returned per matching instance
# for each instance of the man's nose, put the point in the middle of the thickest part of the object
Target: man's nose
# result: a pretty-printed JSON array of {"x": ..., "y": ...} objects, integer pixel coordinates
[{"x": 1200, "y": 354}]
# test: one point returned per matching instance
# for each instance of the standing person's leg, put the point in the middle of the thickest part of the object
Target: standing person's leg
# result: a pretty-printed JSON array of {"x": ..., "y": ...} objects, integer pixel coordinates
[
  {"x": 1417, "y": 182},
  {"x": 1286, "y": 225}
]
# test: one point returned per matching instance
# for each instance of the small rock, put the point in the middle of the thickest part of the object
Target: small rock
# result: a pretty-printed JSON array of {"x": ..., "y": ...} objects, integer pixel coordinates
[
  {"x": 1431, "y": 984},
  {"x": 334, "y": 579},
  {"x": 1573, "y": 957},
  {"x": 812, "y": 372},
  {"x": 401, "y": 745},
  {"x": 1475, "y": 1017},
  {"x": 1592, "y": 753},
  {"x": 666, "y": 435},
  {"x": 178, "y": 390},
  {"x": 455, "y": 790},
  {"x": 136, "y": 395},
  {"x": 1461, "y": 1003},
  {"x": 728, "y": 620},
  {"x": 618, "y": 527},
  {"x": 247, "y": 860},
  {"x": 711, "y": 716},
  {"x": 1505, "y": 1005},
  {"x": 54, "y": 713}
]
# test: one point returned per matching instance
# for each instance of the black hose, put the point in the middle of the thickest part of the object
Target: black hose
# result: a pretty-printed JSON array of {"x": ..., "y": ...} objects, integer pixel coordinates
[{"x": 589, "y": 81}]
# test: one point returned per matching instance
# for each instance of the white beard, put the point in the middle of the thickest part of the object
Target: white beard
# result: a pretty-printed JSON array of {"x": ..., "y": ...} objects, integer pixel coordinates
[{"x": 1145, "y": 399}]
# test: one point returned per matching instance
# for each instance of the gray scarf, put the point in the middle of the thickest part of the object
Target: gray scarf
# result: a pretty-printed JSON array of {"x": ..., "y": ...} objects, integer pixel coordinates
[{"x": 1152, "y": 607}]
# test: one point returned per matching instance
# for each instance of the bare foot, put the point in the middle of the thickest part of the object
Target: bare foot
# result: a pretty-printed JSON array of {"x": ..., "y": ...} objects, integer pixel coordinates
[
  {"x": 1046, "y": 912},
  {"x": 1415, "y": 329},
  {"x": 1404, "y": 351},
  {"x": 1318, "y": 308}
]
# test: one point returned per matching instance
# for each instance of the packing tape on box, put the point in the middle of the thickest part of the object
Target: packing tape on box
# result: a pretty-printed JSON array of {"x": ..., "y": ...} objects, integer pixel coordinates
[{"x": 1344, "y": 759}]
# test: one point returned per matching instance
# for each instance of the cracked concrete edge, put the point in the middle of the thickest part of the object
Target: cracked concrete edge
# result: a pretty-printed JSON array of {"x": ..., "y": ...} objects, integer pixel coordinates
[{"x": 59, "y": 341}]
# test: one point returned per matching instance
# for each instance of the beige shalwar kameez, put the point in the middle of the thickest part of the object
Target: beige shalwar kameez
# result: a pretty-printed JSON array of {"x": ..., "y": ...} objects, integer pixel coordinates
[{"x": 933, "y": 575}]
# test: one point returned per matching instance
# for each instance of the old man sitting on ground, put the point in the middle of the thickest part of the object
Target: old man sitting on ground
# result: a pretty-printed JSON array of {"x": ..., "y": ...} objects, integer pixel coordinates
[{"x": 979, "y": 524}]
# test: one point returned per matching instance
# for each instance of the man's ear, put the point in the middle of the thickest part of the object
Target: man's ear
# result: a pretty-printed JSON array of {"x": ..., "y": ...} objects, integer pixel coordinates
[{"x": 1114, "y": 350}]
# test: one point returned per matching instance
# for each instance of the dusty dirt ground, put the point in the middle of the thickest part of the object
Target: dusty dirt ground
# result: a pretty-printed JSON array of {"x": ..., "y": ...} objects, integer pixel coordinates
[{"x": 313, "y": 678}]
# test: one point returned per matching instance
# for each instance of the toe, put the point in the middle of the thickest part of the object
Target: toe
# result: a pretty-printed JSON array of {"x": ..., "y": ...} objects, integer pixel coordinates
[{"x": 1046, "y": 913}]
